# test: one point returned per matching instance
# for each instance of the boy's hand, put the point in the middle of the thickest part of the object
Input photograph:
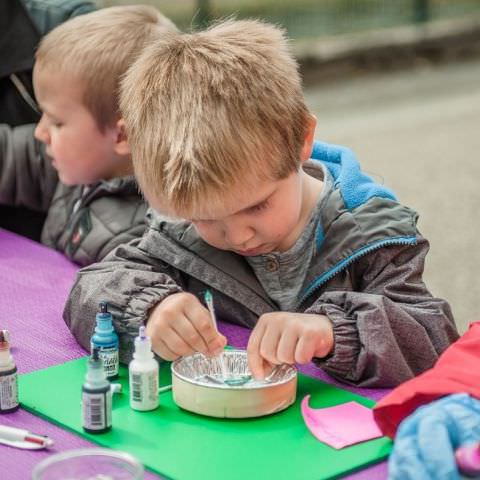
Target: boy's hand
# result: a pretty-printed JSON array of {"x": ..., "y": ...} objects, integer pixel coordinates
[
  {"x": 283, "y": 337},
  {"x": 181, "y": 325}
]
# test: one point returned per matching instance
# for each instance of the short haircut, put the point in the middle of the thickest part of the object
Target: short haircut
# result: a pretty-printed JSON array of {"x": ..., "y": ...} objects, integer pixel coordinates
[
  {"x": 97, "y": 48},
  {"x": 210, "y": 110}
]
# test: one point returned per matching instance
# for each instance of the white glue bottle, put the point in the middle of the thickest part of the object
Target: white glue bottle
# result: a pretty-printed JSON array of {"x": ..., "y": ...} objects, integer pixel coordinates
[
  {"x": 143, "y": 375},
  {"x": 8, "y": 376}
]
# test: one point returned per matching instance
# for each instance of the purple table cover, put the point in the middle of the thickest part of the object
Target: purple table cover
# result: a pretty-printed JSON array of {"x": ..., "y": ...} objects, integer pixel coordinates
[{"x": 34, "y": 285}]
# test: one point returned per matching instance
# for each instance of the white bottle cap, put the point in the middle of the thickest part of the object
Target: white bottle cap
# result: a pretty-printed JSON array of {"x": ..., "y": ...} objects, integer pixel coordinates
[{"x": 143, "y": 346}]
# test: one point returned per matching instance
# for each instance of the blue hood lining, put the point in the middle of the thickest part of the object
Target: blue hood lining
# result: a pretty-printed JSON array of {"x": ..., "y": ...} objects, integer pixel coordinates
[{"x": 355, "y": 186}]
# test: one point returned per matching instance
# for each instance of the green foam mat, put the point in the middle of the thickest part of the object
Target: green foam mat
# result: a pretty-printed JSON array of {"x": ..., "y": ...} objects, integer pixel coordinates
[{"x": 182, "y": 445}]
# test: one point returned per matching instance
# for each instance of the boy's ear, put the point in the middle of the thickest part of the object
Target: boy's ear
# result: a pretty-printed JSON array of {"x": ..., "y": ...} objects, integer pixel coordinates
[
  {"x": 121, "y": 141},
  {"x": 309, "y": 138}
]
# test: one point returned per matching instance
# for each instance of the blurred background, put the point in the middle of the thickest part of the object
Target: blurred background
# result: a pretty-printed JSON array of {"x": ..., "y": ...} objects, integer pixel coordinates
[
  {"x": 312, "y": 18},
  {"x": 398, "y": 81}
]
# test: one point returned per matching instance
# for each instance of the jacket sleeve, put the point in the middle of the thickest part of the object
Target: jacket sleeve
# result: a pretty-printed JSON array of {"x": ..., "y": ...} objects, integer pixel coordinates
[
  {"x": 390, "y": 328},
  {"x": 116, "y": 224},
  {"x": 27, "y": 177},
  {"x": 455, "y": 372},
  {"x": 131, "y": 282}
]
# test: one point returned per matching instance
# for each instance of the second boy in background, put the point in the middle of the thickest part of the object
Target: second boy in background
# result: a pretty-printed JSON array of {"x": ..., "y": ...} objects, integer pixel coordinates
[
  {"x": 84, "y": 180},
  {"x": 320, "y": 261}
]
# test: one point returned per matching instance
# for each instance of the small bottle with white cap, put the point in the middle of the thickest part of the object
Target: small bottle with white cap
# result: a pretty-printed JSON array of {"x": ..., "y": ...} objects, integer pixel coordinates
[
  {"x": 8, "y": 376},
  {"x": 96, "y": 397},
  {"x": 143, "y": 375}
]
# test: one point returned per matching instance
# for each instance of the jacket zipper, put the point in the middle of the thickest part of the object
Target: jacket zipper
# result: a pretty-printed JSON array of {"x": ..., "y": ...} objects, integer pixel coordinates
[
  {"x": 344, "y": 264},
  {"x": 77, "y": 207}
]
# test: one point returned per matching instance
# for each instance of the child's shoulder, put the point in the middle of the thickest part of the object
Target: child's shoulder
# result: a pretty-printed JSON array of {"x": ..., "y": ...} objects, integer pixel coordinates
[{"x": 358, "y": 215}]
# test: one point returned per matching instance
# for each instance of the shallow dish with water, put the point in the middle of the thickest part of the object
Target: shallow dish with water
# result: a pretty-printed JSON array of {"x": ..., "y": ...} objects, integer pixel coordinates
[{"x": 199, "y": 386}]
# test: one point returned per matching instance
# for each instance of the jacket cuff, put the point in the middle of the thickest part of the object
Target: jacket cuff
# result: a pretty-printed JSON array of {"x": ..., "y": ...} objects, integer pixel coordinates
[
  {"x": 141, "y": 302},
  {"x": 137, "y": 310},
  {"x": 342, "y": 360}
]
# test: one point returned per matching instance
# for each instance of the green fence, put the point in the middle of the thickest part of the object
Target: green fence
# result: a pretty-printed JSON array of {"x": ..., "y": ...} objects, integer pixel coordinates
[{"x": 314, "y": 18}]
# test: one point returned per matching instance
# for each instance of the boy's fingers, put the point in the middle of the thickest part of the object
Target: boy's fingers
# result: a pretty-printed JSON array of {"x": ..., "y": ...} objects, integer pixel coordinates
[
  {"x": 269, "y": 345},
  {"x": 162, "y": 350},
  {"x": 256, "y": 365},
  {"x": 305, "y": 349},
  {"x": 255, "y": 360},
  {"x": 200, "y": 318},
  {"x": 175, "y": 343},
  {"x": 286, "y": 348},
  {"x": 218, "y": 346},
  {"x": 184, "y": 328}
]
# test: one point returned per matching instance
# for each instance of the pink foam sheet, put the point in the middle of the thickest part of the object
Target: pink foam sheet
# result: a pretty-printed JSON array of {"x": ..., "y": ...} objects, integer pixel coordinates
[{"x": 341, "y": 425}]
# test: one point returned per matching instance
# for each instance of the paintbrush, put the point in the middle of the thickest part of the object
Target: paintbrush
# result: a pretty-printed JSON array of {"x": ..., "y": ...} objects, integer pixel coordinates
[{"x": 209, "y": 301}]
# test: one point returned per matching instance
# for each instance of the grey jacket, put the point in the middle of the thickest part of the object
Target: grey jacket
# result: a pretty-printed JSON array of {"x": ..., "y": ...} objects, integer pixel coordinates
[
  {"x": 366, "y": 276},
  {"x": 83, "y": 222}
]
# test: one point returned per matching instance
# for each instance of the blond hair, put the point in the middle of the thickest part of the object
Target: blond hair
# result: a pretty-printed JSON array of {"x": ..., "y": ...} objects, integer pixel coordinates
[
  {"x": 209, "y": 110},
  {"x": 97, "y": 48}
]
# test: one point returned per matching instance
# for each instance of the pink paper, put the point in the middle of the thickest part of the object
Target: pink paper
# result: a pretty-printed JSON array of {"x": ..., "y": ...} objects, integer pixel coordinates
[{"x": 341, "y": 425}]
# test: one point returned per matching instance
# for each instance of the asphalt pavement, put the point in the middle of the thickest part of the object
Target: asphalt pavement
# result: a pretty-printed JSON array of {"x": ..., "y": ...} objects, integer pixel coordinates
[{"x": 418, "y": 131}]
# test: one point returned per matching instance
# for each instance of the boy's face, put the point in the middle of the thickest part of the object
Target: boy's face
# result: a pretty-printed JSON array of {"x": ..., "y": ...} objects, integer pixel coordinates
[
  {"x": 268, "y": 216},
  {"x": 82, "y": 153},
  {"x": 260, "y": 216}
]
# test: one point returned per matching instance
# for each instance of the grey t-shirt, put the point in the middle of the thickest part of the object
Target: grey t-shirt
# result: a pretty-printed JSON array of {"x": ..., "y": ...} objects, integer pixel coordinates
[{"x": 282, "y": 273}]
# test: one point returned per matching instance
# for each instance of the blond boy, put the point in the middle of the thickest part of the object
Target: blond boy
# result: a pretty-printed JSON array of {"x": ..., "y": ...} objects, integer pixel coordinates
[
  {"x": 319, "y": 260},
  {"x": 82, "y": 175}
]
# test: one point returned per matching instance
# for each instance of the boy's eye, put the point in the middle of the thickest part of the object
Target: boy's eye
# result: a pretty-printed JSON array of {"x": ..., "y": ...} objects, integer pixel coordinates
[
  {"x": 259, "y": 207},
  {"x": 53, "y": 122}
]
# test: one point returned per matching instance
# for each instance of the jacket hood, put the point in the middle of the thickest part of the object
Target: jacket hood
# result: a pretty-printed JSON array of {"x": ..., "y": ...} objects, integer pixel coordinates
[
  {"x": 355, "y": 186},
  {"x": 360, "y": 216}
]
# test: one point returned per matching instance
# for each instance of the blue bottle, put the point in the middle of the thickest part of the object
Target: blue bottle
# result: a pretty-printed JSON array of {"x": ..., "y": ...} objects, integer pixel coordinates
[{"x": 106, "y": 341}]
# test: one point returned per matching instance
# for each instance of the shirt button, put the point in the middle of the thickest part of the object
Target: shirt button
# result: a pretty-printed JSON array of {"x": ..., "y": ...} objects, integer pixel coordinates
[{"x": 271, "y": 264}]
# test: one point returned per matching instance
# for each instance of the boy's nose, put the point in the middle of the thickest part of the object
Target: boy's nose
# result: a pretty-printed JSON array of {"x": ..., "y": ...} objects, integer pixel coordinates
[
  {"x": 239, "y": 237},
  {"x": 41, "y": 131}
]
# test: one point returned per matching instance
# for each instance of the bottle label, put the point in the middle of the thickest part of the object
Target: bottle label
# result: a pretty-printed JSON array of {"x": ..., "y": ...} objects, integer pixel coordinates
[
  {"x": 109, "y": 356},
  {"x": 8, "y": 392},
  {"x": 144, "y": 389},
  {"x": 97, "y": 410}
]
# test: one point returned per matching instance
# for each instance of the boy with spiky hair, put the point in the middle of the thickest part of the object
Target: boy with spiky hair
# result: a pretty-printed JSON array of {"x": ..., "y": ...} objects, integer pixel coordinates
[
  {"x": 293, "y": 240},
  {"x": 79, "y": 169}
]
